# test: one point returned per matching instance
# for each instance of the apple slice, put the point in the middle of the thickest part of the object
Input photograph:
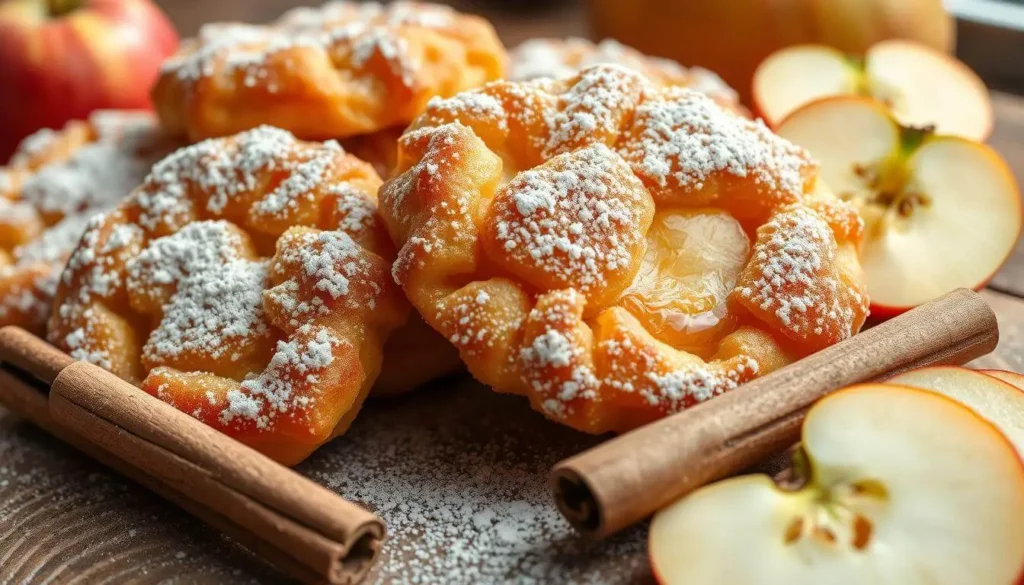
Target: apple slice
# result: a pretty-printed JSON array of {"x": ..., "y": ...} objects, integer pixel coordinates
[
  {"x": 797, "y": 75},
  {"x": 940, "y": 212},
  {"x": 1012, "y": 378},
  {"x": 922, "y": 86},
  {"x": 794, "y": 76},
  {"x": 901, "y": 486},
  {"x": 1000, "y": 403}
]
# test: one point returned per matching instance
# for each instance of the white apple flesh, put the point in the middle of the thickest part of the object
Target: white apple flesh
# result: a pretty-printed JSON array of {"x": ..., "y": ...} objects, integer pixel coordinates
[
  {"x": 1000, "y": 403},
  {"x": 798, "y": 75},
  {"x": 921, "y": 86},
  {"x": 940, "y": 212},
  {"x": 925, "y": 87},
  {"x": 903, "y": 487},
  {"x": 1012, "y": 378}
]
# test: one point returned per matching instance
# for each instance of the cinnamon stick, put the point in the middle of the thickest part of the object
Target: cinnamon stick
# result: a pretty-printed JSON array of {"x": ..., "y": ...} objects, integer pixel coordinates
[
  {"x": 30, "y": 402},
  {"x": 624, "y": 480},
  {"x": 305, "y": 529}
]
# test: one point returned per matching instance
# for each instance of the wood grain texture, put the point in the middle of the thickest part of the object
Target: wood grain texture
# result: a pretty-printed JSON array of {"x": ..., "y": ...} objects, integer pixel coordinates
[{"x": 66, "y": 520}]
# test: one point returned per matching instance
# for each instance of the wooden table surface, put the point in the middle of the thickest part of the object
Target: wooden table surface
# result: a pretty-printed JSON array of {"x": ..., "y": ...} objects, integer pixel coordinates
[{"x": 65, "y": 519}]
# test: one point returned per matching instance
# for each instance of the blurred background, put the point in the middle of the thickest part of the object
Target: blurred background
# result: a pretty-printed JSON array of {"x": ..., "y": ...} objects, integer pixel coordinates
[
  {"x": 989, "y": 33},
  {"x": 61, "y": 59}
]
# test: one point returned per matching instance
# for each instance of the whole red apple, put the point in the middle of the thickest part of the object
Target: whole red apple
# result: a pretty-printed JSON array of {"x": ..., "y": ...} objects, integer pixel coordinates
[{"x": 61, "y": 59}]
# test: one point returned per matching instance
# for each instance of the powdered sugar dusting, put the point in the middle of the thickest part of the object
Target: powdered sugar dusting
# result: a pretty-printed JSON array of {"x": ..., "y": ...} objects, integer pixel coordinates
[
  {"x": 33, "y": 145},
  {"x": 97, "y": 176},
  {"x": 358, "y": 214},
  {"x": 564, "y": 58},
  {"x": 209, "y": 304},
  {"x": 471, "y": 104},
  {"x": 332, "y": 263},
  {"x": 792, "y": 278},
  {"x": 676, "y": 389},
  {"x": 360, "y": 31},
  {"x": 227, "y": 172},
  {"x": 586, "y": 161},
  {"x": 272, "y": 393},
  {"x": 684, "y": 138},
  {"x": 578, "y": 219},
  {"x": 61, "y": 197},
  {"x": 212, "y": 294},
  {"x": 552, "y": 349},
  {"x": 594, "y": 107}
]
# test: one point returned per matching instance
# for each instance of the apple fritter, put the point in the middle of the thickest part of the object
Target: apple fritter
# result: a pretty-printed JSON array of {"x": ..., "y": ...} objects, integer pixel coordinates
[
  {"x": 614, "y": 249},
  {"x": 345, "y": 69},
  {"x": 246, "y": 282}
]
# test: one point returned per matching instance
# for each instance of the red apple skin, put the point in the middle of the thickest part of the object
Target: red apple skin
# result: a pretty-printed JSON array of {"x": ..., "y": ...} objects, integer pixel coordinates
[
  {"x": 885, "y": 312},
  {"x": 100, "y": 54}
]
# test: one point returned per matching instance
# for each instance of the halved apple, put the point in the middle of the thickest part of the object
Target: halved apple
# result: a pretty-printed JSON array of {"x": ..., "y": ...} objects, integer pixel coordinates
[
  {"x": 901, "y": 486},
  {"x": 922, "y": 86},
  {"x": 1000, "y": 403},
  {"x": 940, "y": 212}
]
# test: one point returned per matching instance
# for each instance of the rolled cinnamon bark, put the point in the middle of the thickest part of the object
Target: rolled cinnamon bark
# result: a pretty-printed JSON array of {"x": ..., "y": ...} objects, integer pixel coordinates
[
  {"x": 624, "y": 480},
  {"x": 305, "y": 529}
]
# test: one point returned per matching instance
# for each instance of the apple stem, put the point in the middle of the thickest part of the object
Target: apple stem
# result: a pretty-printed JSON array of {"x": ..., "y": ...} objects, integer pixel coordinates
[
  {"x": 911, "y": 138},
  {"x": 58, "y": 8}
]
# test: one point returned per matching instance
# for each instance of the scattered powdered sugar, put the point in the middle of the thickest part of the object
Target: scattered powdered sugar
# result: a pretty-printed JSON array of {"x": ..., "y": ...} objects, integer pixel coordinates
[
  {"x": 206, "y": 287},
  {"x": 556, "y": 363},
  {"x": 552, "y": 349},
  {"x": 710, "y": 84},
  {"x": 420, "y": 14},
  {"x": 98, "y": 278},
  {"x": 215, "y": 301},
  {"x": 548, "y": 58},
  {"x": 304, "y": 176},
  {"x": 54, "y": 244},
  {"x": 477, "y": 321},
  {"x": 17, "y": 214},
  {"x": 65, "y": 515},
  {"x": 26, "y": 300},
  {"x": 78, "y": 342},
  {"x": 463, "y": 491},
  {"x": 214, "y": 41},
  {"x": 685, "y": 138}
]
